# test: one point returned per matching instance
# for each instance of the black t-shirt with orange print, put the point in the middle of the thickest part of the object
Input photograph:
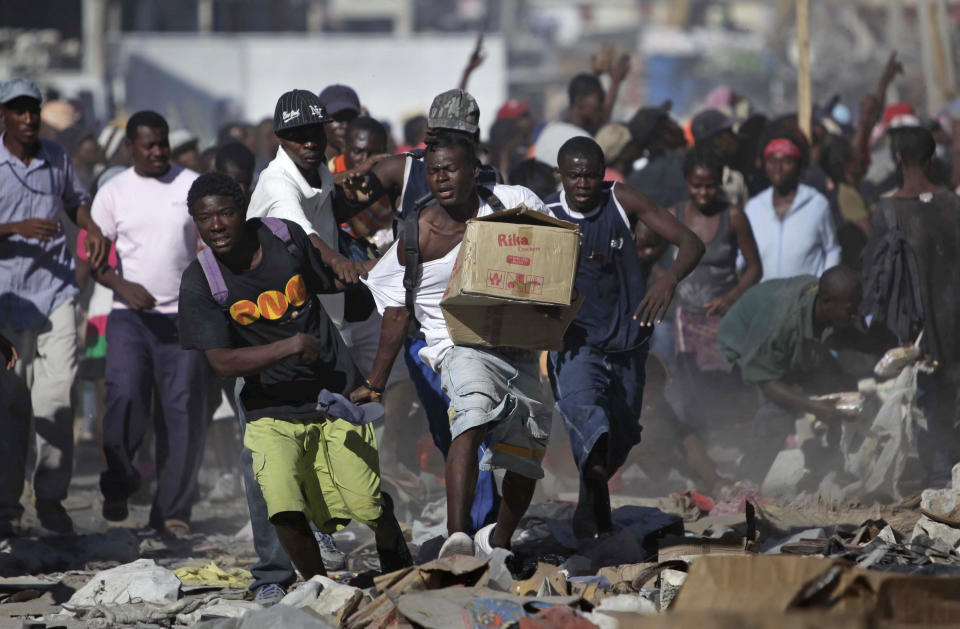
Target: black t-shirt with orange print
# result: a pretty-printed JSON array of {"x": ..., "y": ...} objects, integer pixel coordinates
[{"x": 274, "y": 301}]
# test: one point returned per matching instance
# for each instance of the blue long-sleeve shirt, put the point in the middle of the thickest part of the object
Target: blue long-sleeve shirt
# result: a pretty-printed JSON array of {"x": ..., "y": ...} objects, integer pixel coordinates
[{"x": 804, "y": 242}]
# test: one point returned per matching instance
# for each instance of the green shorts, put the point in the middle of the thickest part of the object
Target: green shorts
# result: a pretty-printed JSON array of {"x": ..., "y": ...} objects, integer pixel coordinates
[{"x": 328, "y": 470}]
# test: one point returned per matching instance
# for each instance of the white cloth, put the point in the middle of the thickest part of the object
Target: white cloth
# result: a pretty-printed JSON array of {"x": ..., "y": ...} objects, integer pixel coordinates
[
  {"x": 149, "y": 220},
  {"x": 385, "y": 280},
  {"x": 283, "y": 192},
  {"x": 803, "y": 243}
]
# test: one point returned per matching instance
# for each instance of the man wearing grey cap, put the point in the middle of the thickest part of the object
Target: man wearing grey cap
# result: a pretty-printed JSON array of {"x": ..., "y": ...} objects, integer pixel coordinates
[
  {"x": 37, "y": 292},
  {"x": 404, "y": 179}
]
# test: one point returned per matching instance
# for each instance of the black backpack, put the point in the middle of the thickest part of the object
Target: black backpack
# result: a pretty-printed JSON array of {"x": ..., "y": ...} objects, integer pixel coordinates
[{"x": 891, "y": 280}]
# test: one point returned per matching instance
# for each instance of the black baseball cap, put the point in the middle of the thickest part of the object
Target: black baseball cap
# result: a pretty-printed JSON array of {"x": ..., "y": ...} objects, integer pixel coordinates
[
  {"x": 298, "y": 108},
  {"x": 337, "y": 98},
  {"x": 709, "y": 123}
]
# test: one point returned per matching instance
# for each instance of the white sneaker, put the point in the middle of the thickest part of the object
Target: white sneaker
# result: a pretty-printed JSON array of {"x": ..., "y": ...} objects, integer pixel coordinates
[
  {"x": 481, "y": 542},
  {"x": 457, "y": 544}
]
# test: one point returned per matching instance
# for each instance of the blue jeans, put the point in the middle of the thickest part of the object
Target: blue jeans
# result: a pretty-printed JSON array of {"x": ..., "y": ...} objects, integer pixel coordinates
[
  {"x": 486, "y": 500},
  {"x": 273, "y": 563},
  {"x": 600, "y": 394}
]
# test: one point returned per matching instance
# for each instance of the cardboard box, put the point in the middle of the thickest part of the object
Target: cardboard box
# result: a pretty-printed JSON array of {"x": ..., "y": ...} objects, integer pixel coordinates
[
  {"x": 513, "y": 282},
  {"x": 519, "y": 255}
]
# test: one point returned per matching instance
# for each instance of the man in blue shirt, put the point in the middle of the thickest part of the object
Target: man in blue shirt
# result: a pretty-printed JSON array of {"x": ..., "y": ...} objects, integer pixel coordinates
[{"x": 37, "y": 291}]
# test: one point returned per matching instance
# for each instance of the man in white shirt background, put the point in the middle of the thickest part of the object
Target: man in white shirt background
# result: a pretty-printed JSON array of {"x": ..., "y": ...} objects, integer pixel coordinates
[
  {"x": 144, "y": 210},
  {"x": 791, "y": 221}
]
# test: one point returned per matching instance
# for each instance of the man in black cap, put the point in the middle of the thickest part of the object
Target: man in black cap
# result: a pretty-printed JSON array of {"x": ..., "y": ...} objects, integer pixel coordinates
[
  {"x": 661, "y": 142},
  {"x": 342, "y": 105},
  {"x": 297, "y": 186},
  {"x": 714, "y": 129}
]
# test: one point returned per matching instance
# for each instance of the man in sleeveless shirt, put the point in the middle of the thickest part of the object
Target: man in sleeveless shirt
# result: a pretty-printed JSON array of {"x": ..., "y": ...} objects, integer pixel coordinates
[
  {"x": 598, "y": 376},
  {"x": 403, "y": 179},
  {"x": 494, "y": 392}
]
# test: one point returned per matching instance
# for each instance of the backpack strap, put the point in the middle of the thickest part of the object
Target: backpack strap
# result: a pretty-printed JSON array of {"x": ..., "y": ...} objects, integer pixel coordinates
[
  {"x": 411, "y": 256},
  {"x": 890, "y": 216},
  {"x": 280, "y": 229},
  {"x": 410, "y": 230},
  {"x": 488, "y": 197},
  {"x": 211, "y": 270}
]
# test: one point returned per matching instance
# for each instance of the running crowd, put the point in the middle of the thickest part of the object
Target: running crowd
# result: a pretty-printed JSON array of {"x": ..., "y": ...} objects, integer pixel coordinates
[{"x": 277, "y": 277}]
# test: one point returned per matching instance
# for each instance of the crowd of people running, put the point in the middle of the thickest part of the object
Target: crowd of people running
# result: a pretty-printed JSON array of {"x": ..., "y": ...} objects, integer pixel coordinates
[{"x": 278, "y": 276}]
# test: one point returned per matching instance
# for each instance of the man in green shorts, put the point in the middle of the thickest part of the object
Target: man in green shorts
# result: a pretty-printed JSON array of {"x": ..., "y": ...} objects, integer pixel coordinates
[{"x": 250, "y": 302}]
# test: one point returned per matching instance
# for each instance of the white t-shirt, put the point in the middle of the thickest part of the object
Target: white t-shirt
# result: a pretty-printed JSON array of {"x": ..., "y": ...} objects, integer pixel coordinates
[
  {"x": 149, "y": 220},
  {"x": 283, "y": 192},
  {"x": 385, "y": 280}
]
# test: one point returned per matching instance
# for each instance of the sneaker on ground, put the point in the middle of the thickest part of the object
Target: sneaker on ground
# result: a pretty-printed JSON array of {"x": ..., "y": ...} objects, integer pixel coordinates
[
  {"x": 457, "y": 544},
  {"x": 227, "y": 487},
  {"x": 333, "y": 558},
  {"x": 115, "y": 509},
  {"x": 53, "y": 517},
  {"x": 269, "y": 594},
  {"x": 481, "y": 542}
]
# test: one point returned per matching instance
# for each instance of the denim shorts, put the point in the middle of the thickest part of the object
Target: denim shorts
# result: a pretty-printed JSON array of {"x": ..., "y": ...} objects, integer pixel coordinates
[{"x": 486, "y": 387}]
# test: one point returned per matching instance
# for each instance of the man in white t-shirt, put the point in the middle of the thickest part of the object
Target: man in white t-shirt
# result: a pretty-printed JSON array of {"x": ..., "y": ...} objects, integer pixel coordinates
[
  {"x": 494, "y": 392},
  {"x": 144, "y": 210}
]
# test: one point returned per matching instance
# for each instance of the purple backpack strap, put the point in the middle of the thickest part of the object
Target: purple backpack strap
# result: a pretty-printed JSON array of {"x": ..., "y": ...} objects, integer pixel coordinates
[
  {"x": 278, "y": 227},
  {"x": 211, "y": 269}
]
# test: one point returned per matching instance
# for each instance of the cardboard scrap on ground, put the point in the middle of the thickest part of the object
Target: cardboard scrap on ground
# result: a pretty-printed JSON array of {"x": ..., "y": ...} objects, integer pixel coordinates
[
  {"x": 787, "y": 585},
  {"x": 456, "y": 571},
  {"x": 463, "y": 607}
]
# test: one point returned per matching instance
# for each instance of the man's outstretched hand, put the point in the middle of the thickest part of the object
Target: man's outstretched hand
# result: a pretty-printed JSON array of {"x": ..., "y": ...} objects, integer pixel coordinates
[{"x": 655, "y": 303}]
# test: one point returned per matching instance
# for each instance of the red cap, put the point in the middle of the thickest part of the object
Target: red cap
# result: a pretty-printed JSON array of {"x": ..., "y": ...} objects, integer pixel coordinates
[
  {"x": 783, "y": 146},
  {"x": 897, "y": 109},
  {"x": 513, "y": 109}
]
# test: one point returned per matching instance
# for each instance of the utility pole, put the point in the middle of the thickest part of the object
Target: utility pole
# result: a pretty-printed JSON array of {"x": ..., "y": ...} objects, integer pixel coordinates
[{"x": 804, "y": 98}]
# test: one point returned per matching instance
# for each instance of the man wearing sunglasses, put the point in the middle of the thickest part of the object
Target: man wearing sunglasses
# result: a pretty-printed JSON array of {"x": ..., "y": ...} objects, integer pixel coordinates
[{"x": 38, "y": 184}]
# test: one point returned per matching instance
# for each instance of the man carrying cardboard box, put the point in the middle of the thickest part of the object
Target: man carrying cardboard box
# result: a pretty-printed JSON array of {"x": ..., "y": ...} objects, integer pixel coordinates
[
  {"x": 598, "y": 376},
  {"x": 494, "y": 393}
]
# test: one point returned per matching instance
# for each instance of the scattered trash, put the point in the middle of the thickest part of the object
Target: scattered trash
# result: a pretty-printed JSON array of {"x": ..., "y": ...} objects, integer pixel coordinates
[
  {"x": 212, "y": 575},
  {"x": 141, "y": 581}
]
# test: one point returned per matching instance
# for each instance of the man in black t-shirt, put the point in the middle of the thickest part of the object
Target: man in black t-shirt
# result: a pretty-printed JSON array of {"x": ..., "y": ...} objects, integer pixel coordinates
[{"x": 253, "y": 310}]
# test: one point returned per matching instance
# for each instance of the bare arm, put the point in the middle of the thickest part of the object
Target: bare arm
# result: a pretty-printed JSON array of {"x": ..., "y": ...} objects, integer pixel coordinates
[
  {"x": 753, "y": 268},
  {"x": 135, "y": 295},
  {"x": 871, "y": 106},
  {"x": 474, "y": 62},
  {"x": 97, "y": 245},
  {"x": 348, "y": 272},
  {"x": 618, "y": 72},
  {"x": 245, "y": 361},
  {"x": 778, "y": 392},
  {"x": 638, "y": 206},
  {"x": 393, "y": 332}
]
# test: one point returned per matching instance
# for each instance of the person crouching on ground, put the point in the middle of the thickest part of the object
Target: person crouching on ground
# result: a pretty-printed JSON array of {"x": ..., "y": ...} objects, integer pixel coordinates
[
  {"x": 252, "y": 307},
  {"x": 494, "y": 392}
]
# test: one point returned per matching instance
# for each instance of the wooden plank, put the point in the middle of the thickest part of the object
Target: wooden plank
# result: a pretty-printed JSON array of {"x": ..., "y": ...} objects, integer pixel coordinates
[{"x": 804, "y": 97}]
